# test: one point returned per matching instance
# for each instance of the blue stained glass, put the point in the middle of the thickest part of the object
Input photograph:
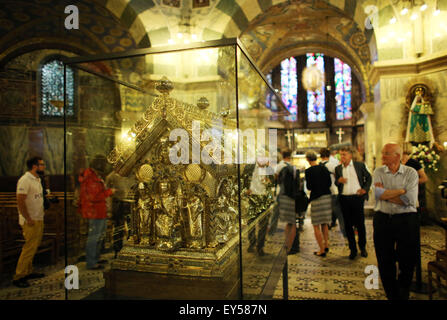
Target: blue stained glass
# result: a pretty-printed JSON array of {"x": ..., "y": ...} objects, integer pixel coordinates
[
  {"x": 289, "y": 85},
  {"x": 343, "y": 86},
  {"x": 316, "y": 104},
  {"x": 52, "y": 89},
  {"x": 269, "y": 78},
  {"x": 269, "y": 95}
]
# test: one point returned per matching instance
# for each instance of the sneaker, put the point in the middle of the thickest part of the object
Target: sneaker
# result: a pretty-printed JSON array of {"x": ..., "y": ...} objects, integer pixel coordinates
[
  {"x": 21, "y": 283},
  {"x": 103, "y": 261},
  {"x": 34, "y": 276},
  {"x": 261, "y": 252}
]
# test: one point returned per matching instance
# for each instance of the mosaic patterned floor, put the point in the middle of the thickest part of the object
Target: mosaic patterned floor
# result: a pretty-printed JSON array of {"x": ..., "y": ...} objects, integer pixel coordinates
[
  {"x": 310, "y": 277},
  {"x": 52, "y": 287},
  {"x": 335, "y": 277}
]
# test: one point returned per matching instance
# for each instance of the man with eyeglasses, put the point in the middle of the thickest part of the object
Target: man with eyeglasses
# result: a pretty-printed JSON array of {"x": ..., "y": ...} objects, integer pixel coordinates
[
  {"x": 353, "y": 181},
  {"x": 395, "y": 222},
  {"x": 31, "y": 213}
]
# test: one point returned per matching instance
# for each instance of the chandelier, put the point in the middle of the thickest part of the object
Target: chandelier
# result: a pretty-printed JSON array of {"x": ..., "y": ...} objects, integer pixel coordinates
[
  {"x": 313, "y": 80},
  {"x": 412, "y": 8},
  {"x": 186, "y": 32}
]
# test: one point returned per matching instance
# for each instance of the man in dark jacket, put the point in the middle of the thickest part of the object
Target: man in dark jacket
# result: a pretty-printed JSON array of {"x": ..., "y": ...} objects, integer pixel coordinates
[{"x": 353, "y": 182}]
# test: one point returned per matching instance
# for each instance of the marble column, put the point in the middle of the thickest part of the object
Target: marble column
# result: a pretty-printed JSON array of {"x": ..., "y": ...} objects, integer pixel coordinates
[
  {"x": 378, "y": 124},
  {"x": 367, "y": 109}
]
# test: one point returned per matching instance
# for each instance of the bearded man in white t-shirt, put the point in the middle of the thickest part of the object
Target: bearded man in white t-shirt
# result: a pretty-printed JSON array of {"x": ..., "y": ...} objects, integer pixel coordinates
[{"x": 31, "y": 212}]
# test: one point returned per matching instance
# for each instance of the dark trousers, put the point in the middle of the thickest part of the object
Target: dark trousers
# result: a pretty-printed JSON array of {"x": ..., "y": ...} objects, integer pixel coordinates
[
  {"x": 336, "y": 212},
  {"x": 296, "y": 242},
  {"x": 119, "y": 211},
  {"x": 275, "y": 218},
  {"x": 262, "y": 231},
  {"x": 395, "y": 240},
  {"x": 354, "y": 216}
]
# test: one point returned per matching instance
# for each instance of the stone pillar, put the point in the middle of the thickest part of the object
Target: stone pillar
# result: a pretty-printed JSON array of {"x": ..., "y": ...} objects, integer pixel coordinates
[
  {"x": 378, "y": 125},
  {"x": 367, "y": 109}
]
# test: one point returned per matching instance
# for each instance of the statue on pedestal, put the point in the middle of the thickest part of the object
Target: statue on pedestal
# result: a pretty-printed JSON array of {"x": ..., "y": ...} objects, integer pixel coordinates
[
  {"x": 146, "y": 223},
  {"x": 168, "y": 218},
  {"x": 419, "y": 129},
  {"x": 195, "y": 210},
  {"x": 225, "y": 214}
]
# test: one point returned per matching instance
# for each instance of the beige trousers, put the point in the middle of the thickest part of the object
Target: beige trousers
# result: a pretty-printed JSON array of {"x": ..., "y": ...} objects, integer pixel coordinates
[{"x": 33, "y": 237}]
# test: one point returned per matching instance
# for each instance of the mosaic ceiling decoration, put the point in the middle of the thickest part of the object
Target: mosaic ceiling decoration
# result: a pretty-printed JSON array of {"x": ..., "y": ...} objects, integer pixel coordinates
[
  {"x": 279, "y": 33},
  {"x": 293, "y": 25},
  {"x": 35, "y": 23}
]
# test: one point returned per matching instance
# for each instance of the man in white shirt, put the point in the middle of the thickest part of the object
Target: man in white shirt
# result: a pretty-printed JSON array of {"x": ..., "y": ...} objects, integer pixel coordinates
[
  {"x": 353, "y": 181},
  {"x": 396, "y": 222},
  {"x": 331, "y": 163},
  {"x": 275, "y": 215},
  {"x": 258, "y": 192},
  {"x": 31, "y": 213}
]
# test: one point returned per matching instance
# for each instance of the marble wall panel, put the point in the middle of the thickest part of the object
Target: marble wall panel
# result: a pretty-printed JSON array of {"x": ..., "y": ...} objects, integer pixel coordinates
[
  {"x": 13, "y": 150},
  {"x": 98, "y": 141},
  {"x": 439, "y": 120},
  {"x": 436, "y": 206},
  {"x": 54, "y": 151},
  {"x": 35, "y": 141}
]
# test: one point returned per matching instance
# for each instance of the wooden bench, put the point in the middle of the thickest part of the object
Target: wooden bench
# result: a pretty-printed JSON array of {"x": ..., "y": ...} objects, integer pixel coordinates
[
  {"x": 58, "y": 227},
  {"x": 11, "y": 239}
]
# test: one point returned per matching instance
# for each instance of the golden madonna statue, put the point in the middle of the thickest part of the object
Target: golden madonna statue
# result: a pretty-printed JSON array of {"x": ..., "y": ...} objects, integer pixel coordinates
[{"x": 419, "y": 128}]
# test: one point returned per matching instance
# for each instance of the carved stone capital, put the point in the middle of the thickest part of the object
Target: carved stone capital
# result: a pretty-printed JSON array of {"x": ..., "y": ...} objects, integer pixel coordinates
[{"x": 367, "y": 108}]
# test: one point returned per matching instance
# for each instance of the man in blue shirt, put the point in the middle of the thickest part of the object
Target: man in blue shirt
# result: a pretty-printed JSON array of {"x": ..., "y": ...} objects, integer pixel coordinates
[{"x": 395, "y": 222}]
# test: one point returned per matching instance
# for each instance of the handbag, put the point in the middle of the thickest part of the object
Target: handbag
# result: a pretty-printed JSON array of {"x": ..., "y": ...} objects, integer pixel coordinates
[
  {"x": 301, "y": 201},
  {"x": 301, "y": 198}
]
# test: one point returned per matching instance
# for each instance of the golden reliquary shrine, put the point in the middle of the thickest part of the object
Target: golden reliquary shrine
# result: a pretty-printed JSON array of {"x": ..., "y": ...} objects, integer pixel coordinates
[
  {"x": 310, "y": 139},
  {"x": 198, "y": 204}
]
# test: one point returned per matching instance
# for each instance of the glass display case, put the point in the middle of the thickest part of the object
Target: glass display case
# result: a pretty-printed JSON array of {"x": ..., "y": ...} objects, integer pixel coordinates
[{"x": 170, "y": 152}]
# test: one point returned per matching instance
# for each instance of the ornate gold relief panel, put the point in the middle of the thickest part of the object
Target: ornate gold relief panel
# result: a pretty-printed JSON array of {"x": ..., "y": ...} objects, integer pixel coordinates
[{"x": 176, "y": 206}]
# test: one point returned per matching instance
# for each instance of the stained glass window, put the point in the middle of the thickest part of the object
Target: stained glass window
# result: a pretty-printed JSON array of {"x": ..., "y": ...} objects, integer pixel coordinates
[
  {"x": 342, "y": 89},
  {"x": 289, "y": 86},
  {"x": 52, "y": 89},
  {"x": 269, "y": 95},
  {"x": 316, "y": 99}
]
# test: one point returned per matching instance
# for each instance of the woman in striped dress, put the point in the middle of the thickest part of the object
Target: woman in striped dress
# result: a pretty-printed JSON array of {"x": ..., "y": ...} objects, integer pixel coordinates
[{"x": 318, "y": 181}]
